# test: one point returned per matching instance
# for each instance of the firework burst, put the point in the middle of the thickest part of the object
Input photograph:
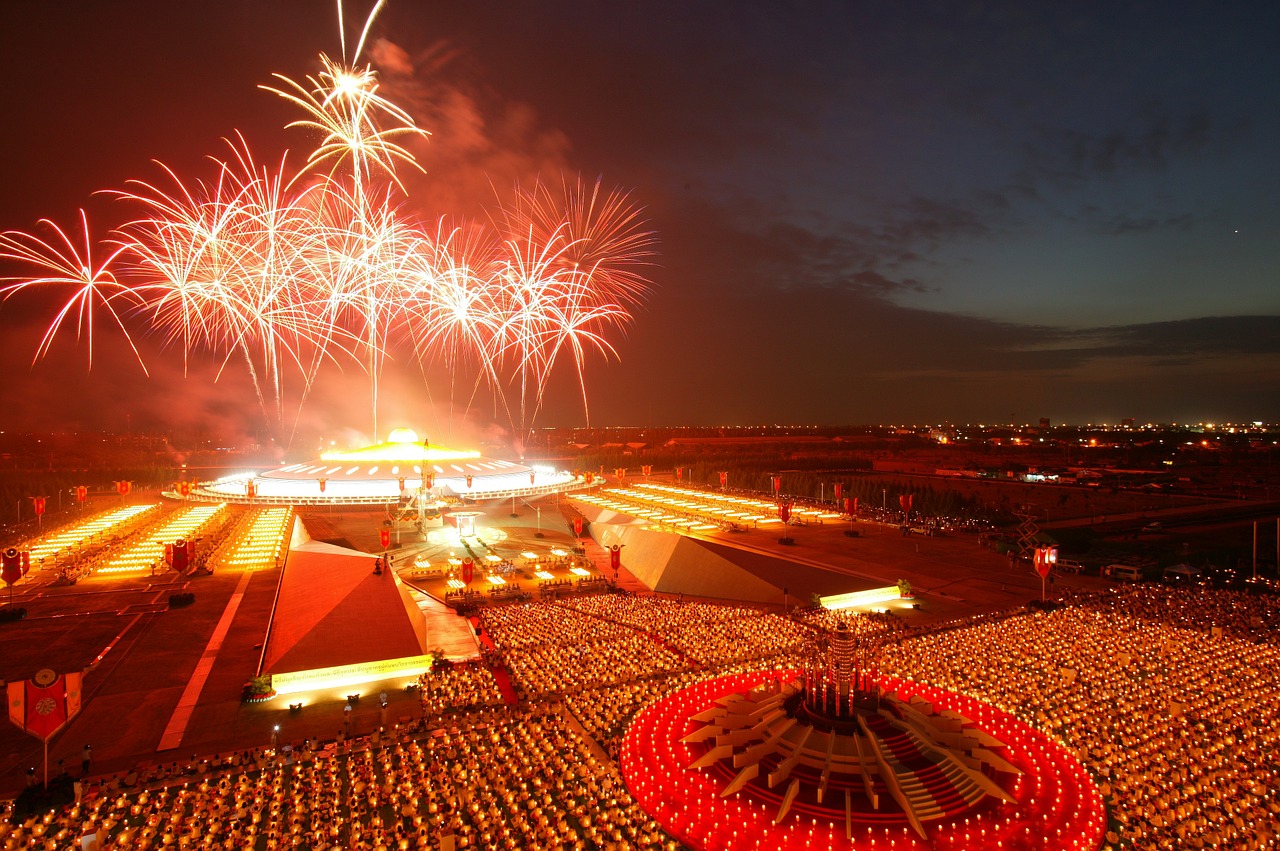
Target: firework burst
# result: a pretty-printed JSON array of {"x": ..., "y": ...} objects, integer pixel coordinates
[{"x": 284, "y": 270}]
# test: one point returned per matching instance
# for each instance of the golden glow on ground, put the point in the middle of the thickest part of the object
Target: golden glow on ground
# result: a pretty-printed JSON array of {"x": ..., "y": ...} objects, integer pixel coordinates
[
  {"x": 82, "y": 535},
  {"x": 694, "y": 510},
  {"x": 183, "y": 524},
  {"x": 447, "y": 536},
  {"x": 261, "y": 543}
]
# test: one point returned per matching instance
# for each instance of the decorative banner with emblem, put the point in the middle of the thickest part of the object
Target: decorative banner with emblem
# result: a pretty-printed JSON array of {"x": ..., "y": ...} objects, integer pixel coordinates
[
  {"x": 468, "y": 570},
  {"x": 44, "y": 704},
  {"x": 615, "y": 556}
]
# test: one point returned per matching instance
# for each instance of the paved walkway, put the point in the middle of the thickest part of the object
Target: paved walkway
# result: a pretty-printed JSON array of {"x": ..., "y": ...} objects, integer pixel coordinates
[{"x": 191, "y": 694}]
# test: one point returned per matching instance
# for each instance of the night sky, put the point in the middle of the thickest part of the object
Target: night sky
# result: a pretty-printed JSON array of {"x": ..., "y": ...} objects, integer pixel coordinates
[{"x": 866, "y": 212}]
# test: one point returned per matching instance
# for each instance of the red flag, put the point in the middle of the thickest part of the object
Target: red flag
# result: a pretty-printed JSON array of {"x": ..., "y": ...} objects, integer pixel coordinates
[
  {"x": 180, "y": 560},
  {"x": 784, "y": 511},
  {"x": 855, "y": 505},
  {"x": 679, "y": 474},
  {"x": 401, "y": 480},
  {"x": 468, "y": 480},
  {"x": 384, "y": 537},
  {"x": 848, "y": 506},
  {"x": 123, "y": 488},
  {"x": 168, "y": 554},
  {"x": 250, "y": 490},
  {"x": 42, "y": 706},
  {"x": 38, "y": 502},
  {"x": 26, "y": 562},
  {"x": 82, "y": 493},
  {"x": 647, "y": 468},
  {"x": 905, "y": 501},
  {"x": 1045, "y": 559},
  {"x": 615, "y": 556},
  {"x": 468, "y": 570},
  {"x": 532, "y": 474},
  {"x": 184, "y": 488},
  {"x": 839, "y": 490},
  {"x": 577, "y": 526},
  {"x": 588, "y": 477},
  {"x": 777, "y": 484},
  {"x": 724, "y": 479},
  {"x": 12, "y": 571},
  {"x": 322, "y": 483},
  {"x": 428, "y": 480}
]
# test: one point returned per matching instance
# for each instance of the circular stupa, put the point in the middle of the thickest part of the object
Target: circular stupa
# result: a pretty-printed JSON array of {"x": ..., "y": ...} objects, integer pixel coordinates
[
  {"x": 402, "y": 469},
  {"x": 836, "y": 755}
]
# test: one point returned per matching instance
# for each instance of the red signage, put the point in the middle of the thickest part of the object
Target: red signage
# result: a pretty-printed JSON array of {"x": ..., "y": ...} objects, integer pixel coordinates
[
  {"x": 468, "y": 570},
  {"x": 615, "y": 556},
  {"x": 384, "y": 537},
  {"x": 577, "y": 526}
]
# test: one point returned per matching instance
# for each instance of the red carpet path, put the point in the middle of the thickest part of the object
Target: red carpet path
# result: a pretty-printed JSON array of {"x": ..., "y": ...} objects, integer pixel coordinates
[{"x": 500, "y": 675}]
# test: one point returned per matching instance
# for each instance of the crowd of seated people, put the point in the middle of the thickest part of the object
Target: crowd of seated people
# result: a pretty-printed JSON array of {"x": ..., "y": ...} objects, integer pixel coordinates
[
  {"x": 1166, "y": 695},
  {"x": 1174, "y": 719}
]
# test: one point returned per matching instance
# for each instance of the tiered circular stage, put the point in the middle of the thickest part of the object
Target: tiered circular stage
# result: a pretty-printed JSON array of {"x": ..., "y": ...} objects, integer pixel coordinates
[
  {"x": 766, "y": 760},
  {"x": 402, "y": 469}
]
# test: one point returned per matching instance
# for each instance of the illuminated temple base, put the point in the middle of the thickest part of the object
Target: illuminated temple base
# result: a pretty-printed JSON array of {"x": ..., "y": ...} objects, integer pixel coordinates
[
  {"x": 346, "y": 676},
  {"x": 696, "y": 783}
]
